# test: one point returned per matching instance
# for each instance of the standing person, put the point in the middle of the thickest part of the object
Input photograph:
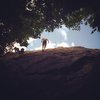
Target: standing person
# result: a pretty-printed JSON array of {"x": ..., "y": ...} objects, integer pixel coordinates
[{"x": 44, "y": 43}]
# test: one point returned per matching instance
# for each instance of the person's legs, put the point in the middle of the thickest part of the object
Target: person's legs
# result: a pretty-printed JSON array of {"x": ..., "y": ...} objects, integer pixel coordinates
[
  {"x": 44, "y": 44},
  {"x": 43, "y": 47}
]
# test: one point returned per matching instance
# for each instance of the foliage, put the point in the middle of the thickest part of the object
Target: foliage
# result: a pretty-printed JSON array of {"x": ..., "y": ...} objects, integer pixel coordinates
[{"x": 21, "y": 19}]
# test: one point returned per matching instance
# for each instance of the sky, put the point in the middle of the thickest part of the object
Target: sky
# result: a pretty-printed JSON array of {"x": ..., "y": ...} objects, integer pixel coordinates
[{"x": 64, "y": 37}]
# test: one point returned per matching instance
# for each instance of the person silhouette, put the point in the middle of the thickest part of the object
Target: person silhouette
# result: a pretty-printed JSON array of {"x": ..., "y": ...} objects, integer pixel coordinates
[
  {"x": 16, "y": 50},
  {"x": 44, "y": 43},
  {"x": 22, "y": 51}
]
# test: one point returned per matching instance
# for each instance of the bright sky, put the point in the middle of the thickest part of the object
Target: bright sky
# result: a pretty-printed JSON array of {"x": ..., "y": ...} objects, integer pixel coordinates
[{"x": 64, "y": 37}]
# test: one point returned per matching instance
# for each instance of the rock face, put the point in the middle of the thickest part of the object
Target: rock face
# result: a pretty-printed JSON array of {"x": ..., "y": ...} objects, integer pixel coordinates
[{"x": 55, "y": 74}]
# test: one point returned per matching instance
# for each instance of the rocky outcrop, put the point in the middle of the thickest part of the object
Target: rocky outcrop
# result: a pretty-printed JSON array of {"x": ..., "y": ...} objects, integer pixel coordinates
[{"x": 55, "y": 74}]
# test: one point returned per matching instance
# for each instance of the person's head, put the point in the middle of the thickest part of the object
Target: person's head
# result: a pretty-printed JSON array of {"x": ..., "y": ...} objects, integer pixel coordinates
[{"x": 22, "y": 49}]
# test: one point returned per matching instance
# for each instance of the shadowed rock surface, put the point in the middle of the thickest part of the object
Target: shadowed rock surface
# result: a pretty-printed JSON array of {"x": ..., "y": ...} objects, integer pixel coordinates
[{"x": 55, "y": 74}]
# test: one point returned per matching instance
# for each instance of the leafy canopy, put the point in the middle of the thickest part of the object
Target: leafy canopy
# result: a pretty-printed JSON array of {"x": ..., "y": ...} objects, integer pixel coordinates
[{"x": 21, "y": 19}]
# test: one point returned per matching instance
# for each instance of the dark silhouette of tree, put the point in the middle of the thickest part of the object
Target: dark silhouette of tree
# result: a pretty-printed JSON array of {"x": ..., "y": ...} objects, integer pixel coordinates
[{"x": 21, "y": 19}]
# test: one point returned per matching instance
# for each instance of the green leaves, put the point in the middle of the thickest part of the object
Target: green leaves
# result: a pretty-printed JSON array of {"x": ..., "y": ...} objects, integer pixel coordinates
[{"x": 28, "y": 18}]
